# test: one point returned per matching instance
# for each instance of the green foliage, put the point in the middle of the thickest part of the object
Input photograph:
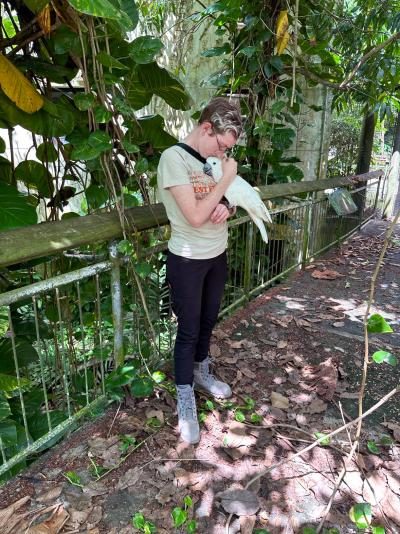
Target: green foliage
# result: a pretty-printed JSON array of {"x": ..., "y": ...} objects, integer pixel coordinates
[
  {"x": 15, "y": 210},
  {"x": 381, "y": 356},
  {"x": 141, "y": 524},
  {"x": 378, "y": 325},
  {"x": 361, "y": 514},
  {"x": 344, "y": 138},
  {"x": 73, "y": 478},
  {"x": 325, "y": 441}
]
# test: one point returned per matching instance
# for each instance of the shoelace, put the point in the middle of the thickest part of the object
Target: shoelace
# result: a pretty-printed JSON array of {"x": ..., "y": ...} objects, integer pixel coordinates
[{"x": 188, "y": 405}]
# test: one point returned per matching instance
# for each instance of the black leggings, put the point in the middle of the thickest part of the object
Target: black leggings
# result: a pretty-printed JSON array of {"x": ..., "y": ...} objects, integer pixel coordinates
[{"x": 196, "y": 290}]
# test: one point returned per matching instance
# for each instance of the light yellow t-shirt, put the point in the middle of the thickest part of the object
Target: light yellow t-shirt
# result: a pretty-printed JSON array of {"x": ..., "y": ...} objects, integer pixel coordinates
[{"x": 178, "y": 167}]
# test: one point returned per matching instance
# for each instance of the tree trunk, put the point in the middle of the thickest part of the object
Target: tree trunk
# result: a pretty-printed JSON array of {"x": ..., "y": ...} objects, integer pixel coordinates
[
  {"x": 394, "y": 173},
  {"x": 364, "y": 155},
  {"x": 366, "y": 143}
]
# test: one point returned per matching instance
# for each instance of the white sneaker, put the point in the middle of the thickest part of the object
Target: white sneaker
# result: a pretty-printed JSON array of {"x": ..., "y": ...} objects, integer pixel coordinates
[
  {"x": 187, "y": 414},
  {"x": 204, "y": 380}
]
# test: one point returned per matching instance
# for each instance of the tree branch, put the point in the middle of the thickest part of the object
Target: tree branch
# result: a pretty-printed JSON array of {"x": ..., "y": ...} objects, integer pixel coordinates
[{"x": 365, "y": 58}]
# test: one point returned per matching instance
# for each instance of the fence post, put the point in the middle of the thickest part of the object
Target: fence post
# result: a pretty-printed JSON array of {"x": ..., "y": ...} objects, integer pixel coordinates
[
  {"x": 116, "y": 300},
  {"x": 247, "y": 259},
  {"x": 307, "y": 230},
  {"x": 377, "y": 194}
]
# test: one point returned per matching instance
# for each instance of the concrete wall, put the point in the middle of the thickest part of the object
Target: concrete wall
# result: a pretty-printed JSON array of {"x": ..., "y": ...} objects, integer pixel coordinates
[{"x": 311, "y": 144}]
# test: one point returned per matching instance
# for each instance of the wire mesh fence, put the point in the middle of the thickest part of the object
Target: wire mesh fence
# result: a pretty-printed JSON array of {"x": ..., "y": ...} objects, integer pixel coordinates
[{"x": 64, "y": 332}]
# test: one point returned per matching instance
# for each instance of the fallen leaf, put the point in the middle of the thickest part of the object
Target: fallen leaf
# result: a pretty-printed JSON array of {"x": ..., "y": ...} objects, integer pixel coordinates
[
  {"x": 53, "y": 524},
  {"x": 316, "y": 406},
  {"x": 279, "y": 401},
  {"x": 282, "y": 344},
  {"x": 395, "y": 427},
  {"x": 321, "y": 378},
  {"x": 10, "y": 519},
  {"x": 239, "y": 502},
  {"x": 50, "y": 495},
  {"x": 327, "y": 274},
  {"x": 129, "y": 478},
  {"x": 249, "y": 374},
  {"x": 95, "y": 488}
]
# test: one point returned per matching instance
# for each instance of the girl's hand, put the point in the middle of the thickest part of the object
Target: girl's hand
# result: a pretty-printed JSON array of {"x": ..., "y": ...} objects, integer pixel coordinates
[{"x": 220, "y": 214}]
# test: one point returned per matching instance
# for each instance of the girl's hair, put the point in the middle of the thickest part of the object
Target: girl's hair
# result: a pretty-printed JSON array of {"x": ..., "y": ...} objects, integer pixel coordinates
[{"x": 223, "y": 115}]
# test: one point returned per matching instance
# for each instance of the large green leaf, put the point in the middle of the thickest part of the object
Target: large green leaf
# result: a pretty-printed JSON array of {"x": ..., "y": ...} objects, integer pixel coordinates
[
  {"x": 102, "y": 8},
  {"x": 35, "y": 176},
  {"x": 142, "y": 387},
  {"x": 150, "y": 129},
  {"x": 38, "y": 425},
  {"x": 96, "y": 196},
  {"x": 8, "y": 432},
  {"x": 36, "y": 6},
  {"x": 5, "y": 410},
  {"x": 25, "y": 355},
  {"x": 9, "y": 383},
  {"x": 109, "y": 61},
  {"x": 136, "y": 97},
  {"x": 5, "y": 170},
  {"x": 33, "y": 400},
  {"x": 65, "y": 41},
  {"x": 144, "y": 49},
  {"x": 58, "y": 123},
  {"x": 159, "y": 81},
  {"x": 129, "y": 7},
  {"x": 47, "y": 152},
  {"x": 91, "y": 147},
  {"x": 55, "y": 73},
  {"x": 15, "y": 210},
  {"x": 378, "y": 325}
]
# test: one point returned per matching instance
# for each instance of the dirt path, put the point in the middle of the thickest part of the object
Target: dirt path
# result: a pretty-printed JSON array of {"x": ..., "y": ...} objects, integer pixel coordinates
[{"x": 292, "y": 355}]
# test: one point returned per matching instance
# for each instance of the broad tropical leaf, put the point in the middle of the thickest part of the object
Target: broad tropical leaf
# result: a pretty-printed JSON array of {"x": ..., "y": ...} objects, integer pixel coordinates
[
  {"x": 25, "y": 355},
  {"x": 144, "y": 49},
  {"x": 35, "y": 176},
  {"x": 58, "y": 123},
  {"x": 159, "y": 81},
  {"x": 18, "y": 88},
  {"x": 36, "y": 6},
  {"x": 282, "y": 35},
  {"x": 4, "y": 407},
  {"x": 102, "y": 8},
  {"x": 15, "y": 210}
]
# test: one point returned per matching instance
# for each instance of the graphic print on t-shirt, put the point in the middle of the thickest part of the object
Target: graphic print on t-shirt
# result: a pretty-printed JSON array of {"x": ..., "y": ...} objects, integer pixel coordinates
[{"x": 202, "y": 184}]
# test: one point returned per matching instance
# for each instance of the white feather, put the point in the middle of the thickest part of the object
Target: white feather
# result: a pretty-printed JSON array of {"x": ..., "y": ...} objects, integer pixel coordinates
[{"x": 240, "y": 193}]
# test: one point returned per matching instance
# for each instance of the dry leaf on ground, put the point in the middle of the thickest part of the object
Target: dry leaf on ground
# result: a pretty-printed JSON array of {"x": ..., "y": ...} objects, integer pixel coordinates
[
  {"x": 129, "y": 478},
  {"x": 239, "y": 502},
  {"x": 395, "y": 427},
  {"x": 53, "y": 524},
  {"x": 327, "y": 274},
  {"x": 316, "y": 406},
  {"x": 321, "y": 378},
  {"x": 279, "y": 401}
]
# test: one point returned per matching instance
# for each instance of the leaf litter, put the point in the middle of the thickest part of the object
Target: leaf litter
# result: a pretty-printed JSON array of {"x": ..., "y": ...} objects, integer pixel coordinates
[{"x": 280, "y": 362}]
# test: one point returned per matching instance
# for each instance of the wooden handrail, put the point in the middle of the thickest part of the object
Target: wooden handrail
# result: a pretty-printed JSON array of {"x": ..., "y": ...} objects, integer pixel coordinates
[{"x": 36, "y": 241}]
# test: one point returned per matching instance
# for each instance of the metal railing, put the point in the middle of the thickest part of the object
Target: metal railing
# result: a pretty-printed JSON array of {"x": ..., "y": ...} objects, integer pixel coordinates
[{"x": 65, "y": 329}]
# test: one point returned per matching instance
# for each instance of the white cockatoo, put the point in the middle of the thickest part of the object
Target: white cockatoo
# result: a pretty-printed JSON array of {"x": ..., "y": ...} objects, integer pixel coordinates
[{"x": 240, "y": 193}]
